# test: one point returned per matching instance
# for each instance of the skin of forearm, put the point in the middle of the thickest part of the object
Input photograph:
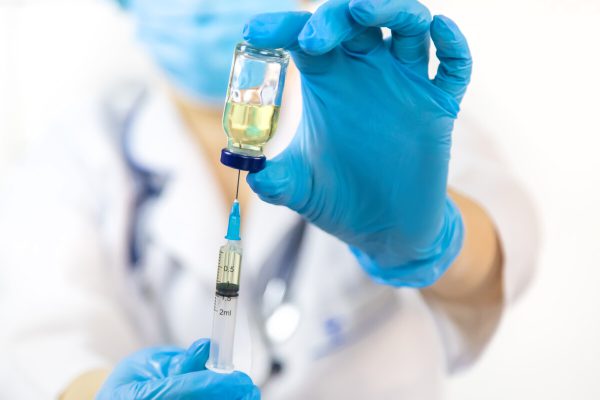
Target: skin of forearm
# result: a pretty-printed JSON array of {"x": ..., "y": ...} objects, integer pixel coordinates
[
  {"x": 85, "y": 386},
  {"x": 475, "y": 277}
]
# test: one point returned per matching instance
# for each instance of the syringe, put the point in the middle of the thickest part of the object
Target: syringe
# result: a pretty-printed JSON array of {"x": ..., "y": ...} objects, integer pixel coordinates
[{"x": 225, "y": 306}]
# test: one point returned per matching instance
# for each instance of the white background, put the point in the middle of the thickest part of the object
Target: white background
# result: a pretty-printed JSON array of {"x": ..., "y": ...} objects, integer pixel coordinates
[{"x": 535, "y": 89}]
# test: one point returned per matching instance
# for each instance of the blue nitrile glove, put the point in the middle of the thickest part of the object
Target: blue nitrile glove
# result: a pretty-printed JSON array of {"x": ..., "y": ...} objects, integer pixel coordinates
[
  {"x": 193, "y": 40},
  {"x": 369, "y": 161},
  {"x": 174, "y": 373}
]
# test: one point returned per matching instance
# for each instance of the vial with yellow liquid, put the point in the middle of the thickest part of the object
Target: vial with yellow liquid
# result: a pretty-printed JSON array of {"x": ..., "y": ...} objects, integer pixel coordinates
[{"x": 252, "y": 104}]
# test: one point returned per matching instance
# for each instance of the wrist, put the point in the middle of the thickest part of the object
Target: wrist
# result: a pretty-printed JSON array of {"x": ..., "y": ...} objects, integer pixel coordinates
[
  {"x": 425, "y": 271},
  {"x": 477, "y": 271}
]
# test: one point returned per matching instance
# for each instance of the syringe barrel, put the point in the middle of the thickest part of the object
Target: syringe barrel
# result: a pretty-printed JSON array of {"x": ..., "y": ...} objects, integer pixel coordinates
[
  {"x": 225, "y": 307},
  {"x": 221, "y": 345}
]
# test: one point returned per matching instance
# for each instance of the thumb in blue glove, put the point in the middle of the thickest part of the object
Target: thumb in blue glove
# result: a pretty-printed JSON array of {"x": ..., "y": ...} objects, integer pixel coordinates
[
  {"x": 369, "y": 161},
  {"x": 174, "y": 373}
]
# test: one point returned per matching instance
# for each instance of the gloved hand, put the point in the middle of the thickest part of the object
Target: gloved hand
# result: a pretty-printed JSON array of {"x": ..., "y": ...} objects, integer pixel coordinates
[
  {"x": 369, "y": 161},
  {"x": 193, "y": 40},
  {"x": 173, "y": 373}
]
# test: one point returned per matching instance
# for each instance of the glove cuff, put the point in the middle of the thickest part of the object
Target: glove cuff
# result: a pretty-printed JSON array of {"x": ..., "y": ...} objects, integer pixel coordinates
[{"x": 421, "y": 273}]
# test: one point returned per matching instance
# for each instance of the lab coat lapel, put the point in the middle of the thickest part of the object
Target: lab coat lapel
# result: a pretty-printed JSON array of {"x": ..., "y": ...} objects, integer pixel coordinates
[{"x": 189, "y": 215}]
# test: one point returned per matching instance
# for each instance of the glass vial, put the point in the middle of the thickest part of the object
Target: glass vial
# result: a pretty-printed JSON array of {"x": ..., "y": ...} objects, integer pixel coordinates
[{"x": 252, "y": 104}]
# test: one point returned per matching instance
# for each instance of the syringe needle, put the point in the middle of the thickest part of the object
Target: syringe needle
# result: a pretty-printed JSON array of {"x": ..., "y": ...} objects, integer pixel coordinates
[{"x": 237, "y": 187}]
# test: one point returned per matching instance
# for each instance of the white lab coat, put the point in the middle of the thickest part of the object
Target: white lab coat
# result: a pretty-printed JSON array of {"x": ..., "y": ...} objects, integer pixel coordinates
[{"x": 69, "y": 301}]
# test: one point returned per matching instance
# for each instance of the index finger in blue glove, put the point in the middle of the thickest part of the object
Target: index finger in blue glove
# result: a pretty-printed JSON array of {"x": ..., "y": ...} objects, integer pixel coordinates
[
  {"x": 280, "y": 30},
  {"x": 454, "y": 72},
  {"x": 409, "y": 22},
  {"x": 206, "y": 385}
]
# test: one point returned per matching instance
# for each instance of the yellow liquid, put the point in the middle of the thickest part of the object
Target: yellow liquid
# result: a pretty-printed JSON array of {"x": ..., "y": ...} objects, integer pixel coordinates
[{"x": 250, "y": 126}]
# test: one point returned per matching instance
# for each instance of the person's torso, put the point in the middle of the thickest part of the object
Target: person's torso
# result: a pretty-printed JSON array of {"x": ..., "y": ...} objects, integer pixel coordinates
[{"x": 311, "y": 323}]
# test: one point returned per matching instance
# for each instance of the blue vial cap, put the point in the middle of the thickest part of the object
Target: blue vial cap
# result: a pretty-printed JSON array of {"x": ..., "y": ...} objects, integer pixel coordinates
[
  {"x": 233, "y": 228},
  {"x": 243, "y": 161}
]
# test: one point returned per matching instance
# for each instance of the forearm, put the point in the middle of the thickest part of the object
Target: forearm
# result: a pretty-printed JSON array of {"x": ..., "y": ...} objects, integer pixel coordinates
[
  {"x": 475, "y": 277},
  {"x": 85, "y": 386}
]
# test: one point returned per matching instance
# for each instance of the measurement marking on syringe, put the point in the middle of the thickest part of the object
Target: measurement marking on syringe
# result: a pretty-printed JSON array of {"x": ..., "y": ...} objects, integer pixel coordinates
[{"x": 226, "y": 313}]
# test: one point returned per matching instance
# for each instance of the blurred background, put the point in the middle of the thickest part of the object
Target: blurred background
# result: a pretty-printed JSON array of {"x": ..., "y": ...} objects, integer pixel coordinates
[{"x": 535, "y": 90}]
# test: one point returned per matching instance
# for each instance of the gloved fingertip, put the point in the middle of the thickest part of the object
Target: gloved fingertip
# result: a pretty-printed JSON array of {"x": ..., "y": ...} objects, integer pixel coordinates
[
  {"x": 444, "y": 26},
  {"x": 241, "y": 379},
  {"x": 259, "y": 183},
  {"x": 254, "y": 27},
  {"x": 193, "y": 359},
  {"x": 199, "y": 347},
  {"x": 362, "y": 11},
  {"x": 442, "y": 19},
  {"x": 451, "y": 44},
  {"x": 254, "y": 394},
  {"x": 254, "y": 180},
  {"x": 310, "y": 41},
  {"x": 274, "y": 30},
  {"x": 270, "y": 183},
  {"x": 307, "y": 33}
]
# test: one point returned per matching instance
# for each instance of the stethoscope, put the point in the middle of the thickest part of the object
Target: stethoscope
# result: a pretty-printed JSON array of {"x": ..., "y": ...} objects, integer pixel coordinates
[{"x": 277, "y": 316}]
